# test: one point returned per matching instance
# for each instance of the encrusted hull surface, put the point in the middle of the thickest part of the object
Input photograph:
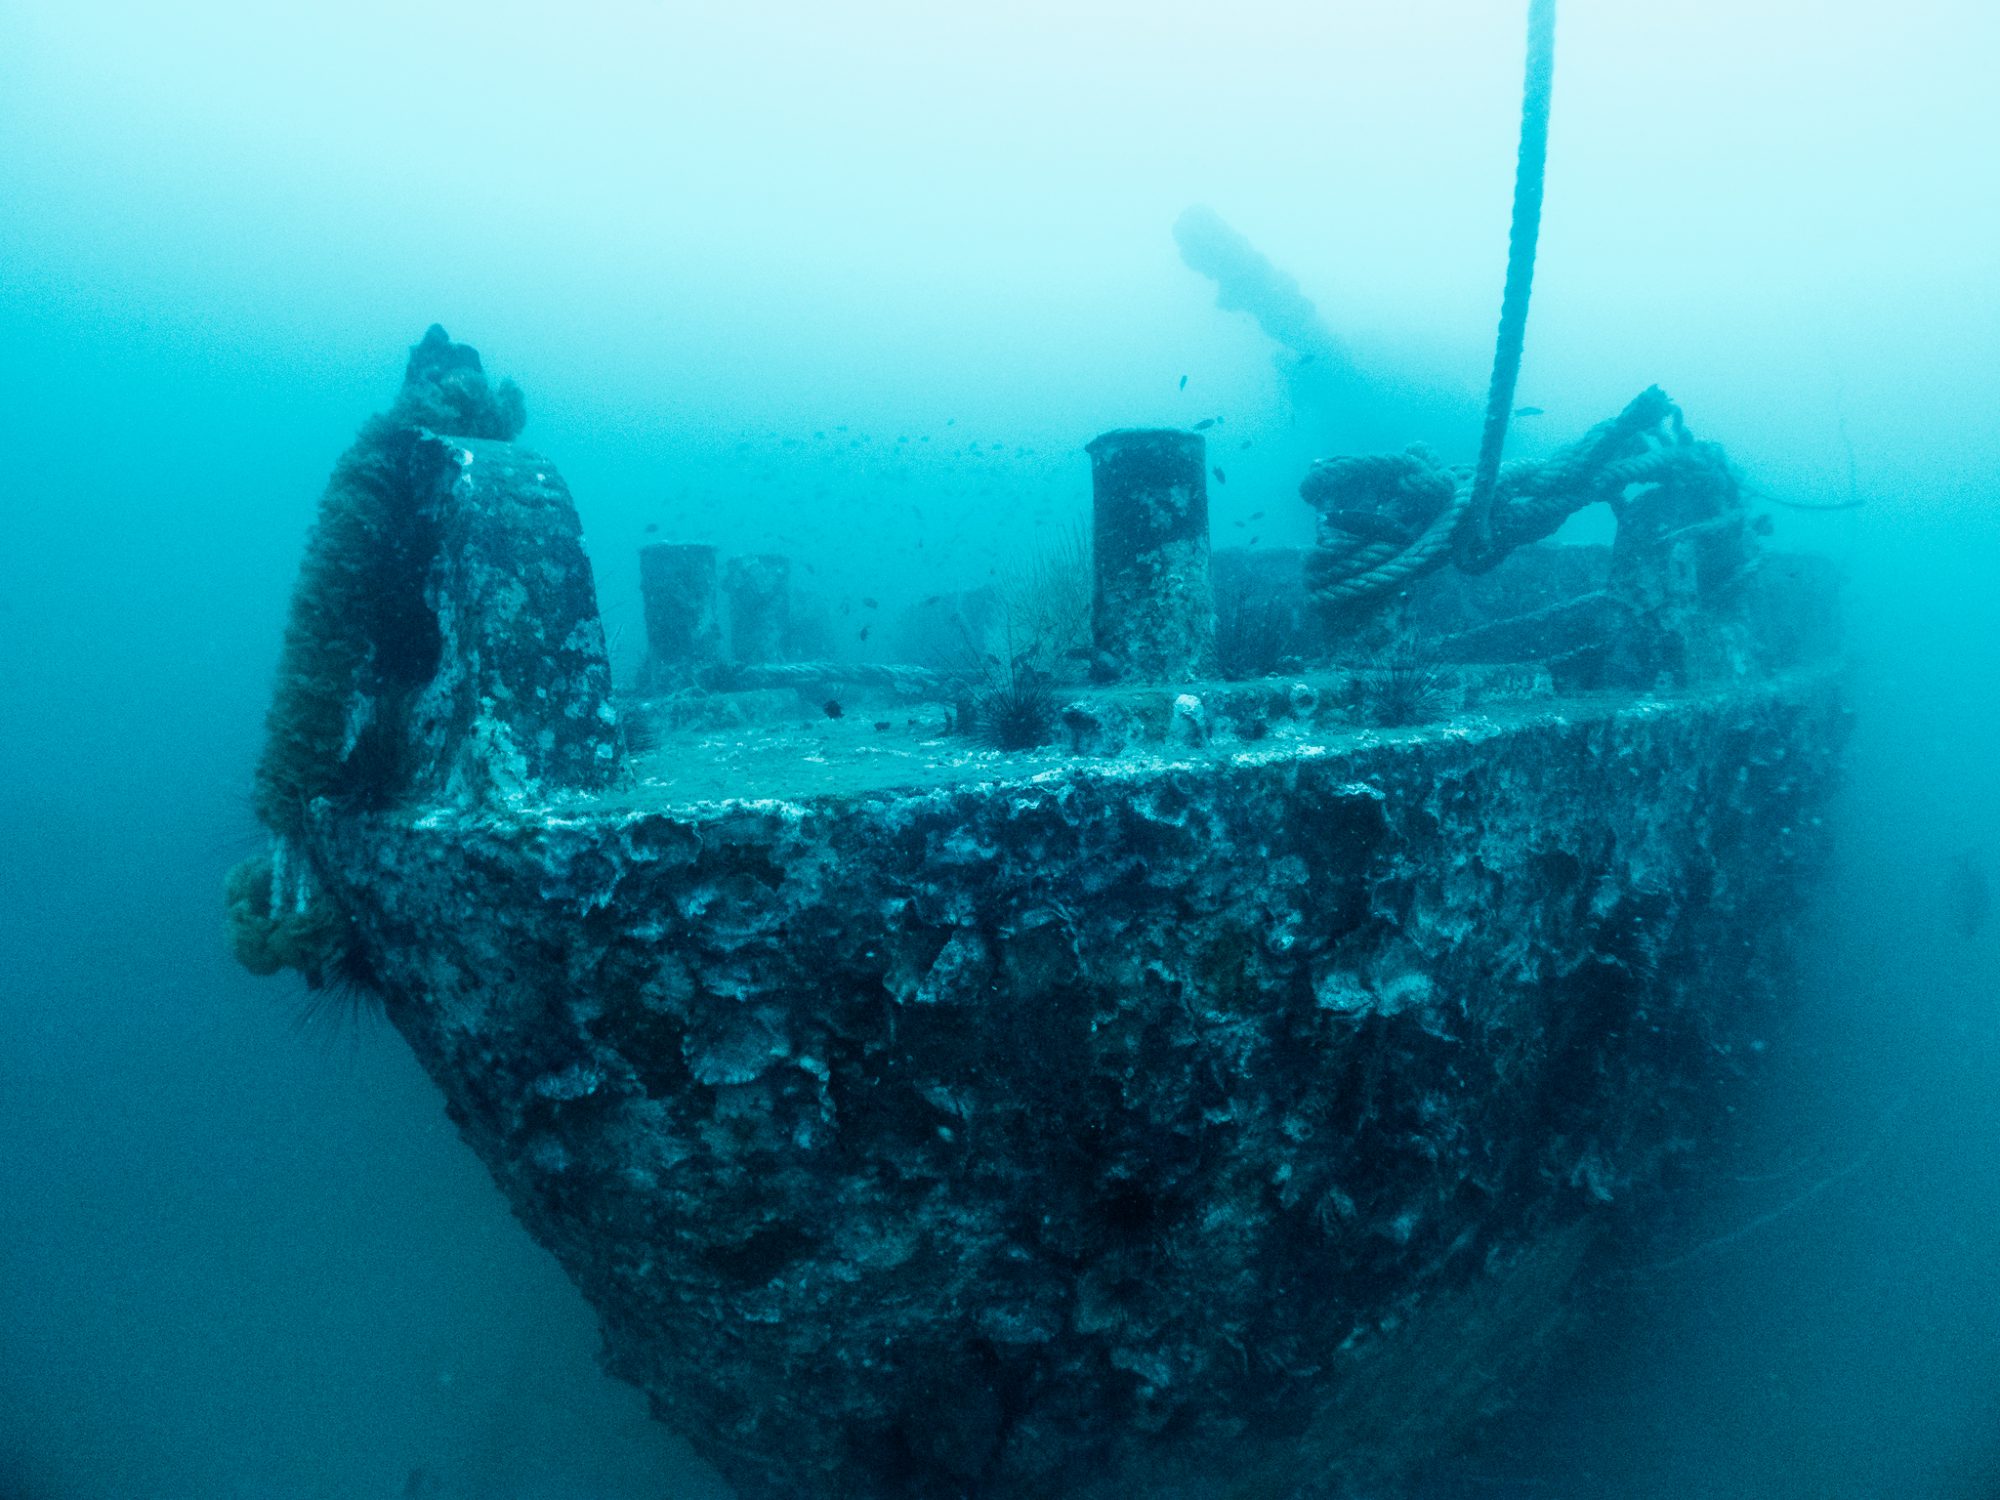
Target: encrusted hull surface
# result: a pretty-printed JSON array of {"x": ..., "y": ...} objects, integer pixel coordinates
[
  {"x": 1204, "y": 1095},
  {"x": 1219, "y": 1125}
]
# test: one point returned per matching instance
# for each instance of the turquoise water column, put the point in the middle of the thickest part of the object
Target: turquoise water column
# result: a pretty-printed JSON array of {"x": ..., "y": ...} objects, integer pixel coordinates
[{"x": 760, "y": 608}]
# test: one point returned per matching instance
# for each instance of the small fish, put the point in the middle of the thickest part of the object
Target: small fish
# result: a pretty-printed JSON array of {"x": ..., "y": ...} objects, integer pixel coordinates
[
  {"x": 1256, "y": 515},
  {"x": 1252, "y": 542},
  {"x": 1306, "y": 359},
  {"x": 1527, "y": 411},
  {"x": 864, "y": 632},
  {"x": 1220, "y": 477},
  {"x": 1242, "y": 445},
  {"x": 651, "y": 527},
  {"x": 1968, "y": 893},
  {"x": 832, "y": 709},
  {"x": 882, "y": 726},
  {"x": 1183, "y": 382},
  {"x": 1204, "y": 424},
  {"x": 869, "y": 604}
]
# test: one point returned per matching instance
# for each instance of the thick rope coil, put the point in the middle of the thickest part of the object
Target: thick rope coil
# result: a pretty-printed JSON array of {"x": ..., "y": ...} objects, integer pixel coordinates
[
  {"x": 1533, "y": 499},
  {"x": 1366, "y": 502},
  {"x": 1477, "y": 522},
  {"x": 1385, "y": 494}
]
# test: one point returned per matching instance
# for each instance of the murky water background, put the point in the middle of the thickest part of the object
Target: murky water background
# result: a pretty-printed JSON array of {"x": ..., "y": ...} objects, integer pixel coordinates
[{"x": 239, "y": 1259}]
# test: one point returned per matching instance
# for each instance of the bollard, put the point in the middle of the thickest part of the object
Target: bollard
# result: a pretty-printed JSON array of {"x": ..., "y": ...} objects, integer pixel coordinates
[
  {"x": 678, "y": 581},
  {"x": 1152, "y": 613},
  {"x": 760, "y": 608}
]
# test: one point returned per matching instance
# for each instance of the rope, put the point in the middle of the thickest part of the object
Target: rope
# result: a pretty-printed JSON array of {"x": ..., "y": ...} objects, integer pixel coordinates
[
  {"x": 1525, "y": 230},
  {"x": 1401, "y": 488},
  {"x": 1388, "y": 519}
]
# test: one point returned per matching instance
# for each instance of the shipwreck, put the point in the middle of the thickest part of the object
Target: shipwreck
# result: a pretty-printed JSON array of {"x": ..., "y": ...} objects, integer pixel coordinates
[
  {"x": 1192, "y": 1028},
  {"x": 1210, "y": 1072}
]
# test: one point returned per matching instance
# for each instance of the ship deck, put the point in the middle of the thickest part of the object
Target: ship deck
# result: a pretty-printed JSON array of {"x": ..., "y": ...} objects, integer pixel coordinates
[{"x": 802, "y": 755}]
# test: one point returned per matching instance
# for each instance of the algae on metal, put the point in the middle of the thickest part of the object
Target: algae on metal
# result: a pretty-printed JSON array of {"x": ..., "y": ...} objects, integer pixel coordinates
[
  {"x": 1220, "y": 1099},
  {"x": 1096, "y": 1128},
  {"x": 374, "y": 699},
  {"x": 358, "y": 631}
]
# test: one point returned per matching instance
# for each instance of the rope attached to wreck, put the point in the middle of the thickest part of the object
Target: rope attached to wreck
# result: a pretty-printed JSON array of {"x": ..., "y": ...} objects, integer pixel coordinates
[
  {"x": 1386, "y": 520},
  {"x": 1523, "y": 233}
]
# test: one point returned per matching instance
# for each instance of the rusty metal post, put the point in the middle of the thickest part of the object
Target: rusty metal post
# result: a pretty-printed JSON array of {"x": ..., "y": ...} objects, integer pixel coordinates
[
  {"x": 679, "y": 582},
  {"x": 1152, "y": 608}
]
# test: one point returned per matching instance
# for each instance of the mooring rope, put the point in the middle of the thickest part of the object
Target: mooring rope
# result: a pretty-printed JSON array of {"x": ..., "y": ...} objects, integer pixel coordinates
[
  {"x": 1885, "y": 1126},
  {"x": 1523, "y": 234},
  {"x": 1430, "y": 515},
  {"x": 1409, "y": 489},
  {"x": 1387, "y": 519}
]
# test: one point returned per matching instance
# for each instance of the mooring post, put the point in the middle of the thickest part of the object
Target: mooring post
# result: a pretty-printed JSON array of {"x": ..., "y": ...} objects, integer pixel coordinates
[
  {"x": 680, "y": 583},
  {"x": 1152, "y": 614},
  {"x": 760, "y": 607}
]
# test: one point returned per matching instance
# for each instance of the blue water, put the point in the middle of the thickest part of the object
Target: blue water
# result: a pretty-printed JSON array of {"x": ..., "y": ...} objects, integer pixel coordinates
[{"x": 857, "y": 282}]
